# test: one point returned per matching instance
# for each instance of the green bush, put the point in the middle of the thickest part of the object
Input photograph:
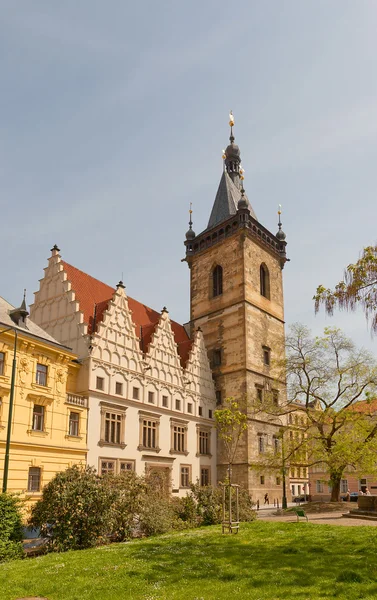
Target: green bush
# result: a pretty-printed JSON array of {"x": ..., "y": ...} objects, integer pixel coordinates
[
  {"x": 128, "y": 492},
  {"x": 208, "y": 501},
  {"x": 10, "y": 528},
  {"x": 74, "y": 511}
]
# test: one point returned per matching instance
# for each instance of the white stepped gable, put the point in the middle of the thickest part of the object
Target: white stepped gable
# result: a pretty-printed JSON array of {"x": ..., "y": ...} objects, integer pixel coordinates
[
  {"x": 56, "y": 309},
  {"x": 198, "y": 371},
  {"x": 115, "y": 340},
  {"x": 162, "y": 358}
]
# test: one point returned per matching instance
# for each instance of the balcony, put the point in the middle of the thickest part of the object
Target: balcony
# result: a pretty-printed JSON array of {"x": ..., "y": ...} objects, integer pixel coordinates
[{"x": 76, "y": 400}]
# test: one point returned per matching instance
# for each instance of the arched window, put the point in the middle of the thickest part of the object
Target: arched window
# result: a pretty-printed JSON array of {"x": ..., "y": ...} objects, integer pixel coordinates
[
  {"x": 264, "y": 281},
  {"x": 217, "y": 281}
]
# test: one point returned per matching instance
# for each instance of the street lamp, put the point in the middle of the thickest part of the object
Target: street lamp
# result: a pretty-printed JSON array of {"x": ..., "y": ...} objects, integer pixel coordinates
[
  {"x": 10, "y": 414},
  {"x": 284, "y": 499}
]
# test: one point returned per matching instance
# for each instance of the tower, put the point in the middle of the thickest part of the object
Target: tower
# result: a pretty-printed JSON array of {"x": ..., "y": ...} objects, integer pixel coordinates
[{"x": 236, "y": 298}]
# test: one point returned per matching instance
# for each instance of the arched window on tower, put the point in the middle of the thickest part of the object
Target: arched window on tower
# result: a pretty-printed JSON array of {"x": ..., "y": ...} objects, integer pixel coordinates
[
  {"x": 264, "y": 281},
  {"x": 217, "y": 281}
]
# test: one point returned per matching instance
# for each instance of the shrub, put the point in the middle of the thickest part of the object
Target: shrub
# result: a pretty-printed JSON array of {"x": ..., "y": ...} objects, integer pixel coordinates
[
  {"x": 156, "y": 512},
  {"x": 11, "y": 528},
  {"x": 208, "y": 503},
  {"x": 128, "y": 491},
  {"x": 74, "y": 511}
]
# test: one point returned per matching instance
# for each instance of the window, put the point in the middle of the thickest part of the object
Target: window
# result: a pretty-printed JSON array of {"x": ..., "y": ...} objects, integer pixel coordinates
[
  {"x": 290, "y": 419},
  {"x": 113, "y": 422},
  {"x": 2, "y": 362},
  {"x": 264, "y": 281},
  {"x": 189, "y": 407},
  {"x": 200, "y": 411},
  {"x": 165, "y": 401},
  {"x": 217, "y": 281},
  {"x": 205, "y": 478},
  {"x": 259, "y": 391},
  {"x": 185, "y": 476},
  {"x": 126, "y": 465},
  {"x": 100, "y": 383},
  {"x": 276, "y": 444},
  {"x": 278, "y": 480},
  {"x": 119, "y": 388},
  {"x": 216, "y": 357},
  {"x": 204, "y": 442},
  {"x": 261, "y": 479},
  {"x": 73, "y": 428},
  {"x": 218, "y": 397},
  {"x": 210, "y": 414},
  {"x": 114, "y": 466},
  {"x": 34, "y": 479},
  {"x": 149, "y": 433},
  {"x": 107, "y": 467},
  {"x": 343, "y": 486},
  {"x": 261, "y": 445},
  {"x": 151, "y": 397},
  {"x": 177, "y": 405},
  {"x": 41, "y": 375},
  {"x": 319, "y": 486},
  {"x": 266, "y": 356},
  {"x": 135, "y": 393},
  {"x": 275, "y": 397},
  {"x": 38, "y": 417},
  {"x": 293, "y": 490},
  {"x": 179, "y": 438}
]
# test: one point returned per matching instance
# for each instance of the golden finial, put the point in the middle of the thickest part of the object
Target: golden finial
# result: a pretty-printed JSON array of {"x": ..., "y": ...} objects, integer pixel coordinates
[
  {"x": 190, "y": 209},
  {"x": 279, "y": 209},
  {"x": 224, "y": 155},
  {"x": 231, "y": 119},
  {"x": 242, "y": 173}
]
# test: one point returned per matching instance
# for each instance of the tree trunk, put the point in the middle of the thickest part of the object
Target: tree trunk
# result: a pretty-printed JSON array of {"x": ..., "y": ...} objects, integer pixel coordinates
[{"x": 335, "y": 486}]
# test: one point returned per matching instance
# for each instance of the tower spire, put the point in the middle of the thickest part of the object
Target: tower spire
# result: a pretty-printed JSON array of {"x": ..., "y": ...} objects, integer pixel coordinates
[
  {"x": 232, "y": 156},
  {"x": 190, "y": 234}
]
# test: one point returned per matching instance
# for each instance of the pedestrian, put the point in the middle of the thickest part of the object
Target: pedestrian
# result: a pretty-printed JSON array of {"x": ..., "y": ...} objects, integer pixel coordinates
[
  {"x": 361, "y": 493},
  {"x": 367, "y": 492},
  {"x": 266, "y": 499},
  {"x": 348, "y": 496}
]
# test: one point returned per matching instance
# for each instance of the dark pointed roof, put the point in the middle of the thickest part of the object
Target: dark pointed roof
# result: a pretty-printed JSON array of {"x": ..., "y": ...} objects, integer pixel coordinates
[{"x": 226, "y": 201}]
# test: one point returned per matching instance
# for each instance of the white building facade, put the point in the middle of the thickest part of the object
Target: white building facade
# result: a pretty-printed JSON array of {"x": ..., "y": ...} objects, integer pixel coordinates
[{"x": 150, "y": 391}]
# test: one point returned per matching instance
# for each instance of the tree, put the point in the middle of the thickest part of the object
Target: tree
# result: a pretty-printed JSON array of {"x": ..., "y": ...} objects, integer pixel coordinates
[
  {"x": 333, "y": 383},
  {"x": 231, "y": 422},
  {"x": 358, "y": 287}
]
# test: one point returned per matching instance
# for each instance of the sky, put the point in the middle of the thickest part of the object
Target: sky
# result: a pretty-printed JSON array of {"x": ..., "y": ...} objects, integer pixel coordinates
[{"x": 113, "y": 117}]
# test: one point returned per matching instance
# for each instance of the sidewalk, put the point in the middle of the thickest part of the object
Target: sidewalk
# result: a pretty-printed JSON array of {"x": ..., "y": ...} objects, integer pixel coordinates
[{"x": 330, "y": 518}]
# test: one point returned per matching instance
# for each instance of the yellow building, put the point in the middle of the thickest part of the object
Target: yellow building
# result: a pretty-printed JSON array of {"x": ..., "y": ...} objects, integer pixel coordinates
[{"x": 49, "y": 422}]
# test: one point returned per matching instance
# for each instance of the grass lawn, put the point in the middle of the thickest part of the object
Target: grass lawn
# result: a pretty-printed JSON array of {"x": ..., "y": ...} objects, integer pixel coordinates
[{"x": 295, "y": 561}]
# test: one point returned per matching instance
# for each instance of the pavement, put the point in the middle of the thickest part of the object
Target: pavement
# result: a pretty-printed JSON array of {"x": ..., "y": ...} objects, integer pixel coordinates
[{"x": 325, "y": 518}]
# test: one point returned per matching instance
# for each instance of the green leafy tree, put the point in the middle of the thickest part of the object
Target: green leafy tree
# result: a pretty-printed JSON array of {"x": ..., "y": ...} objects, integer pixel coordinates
[
  {"x": 333, "y": 383},
  {"x": 357, "y": 288},
  {"x": 231, "y": 422},
  {"x": 10, "y": 527}
]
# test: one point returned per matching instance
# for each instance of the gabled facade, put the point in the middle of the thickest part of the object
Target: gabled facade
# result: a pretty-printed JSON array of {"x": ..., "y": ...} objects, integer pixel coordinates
[
  {"x": 49, "y": 424},
  {"x": 149, "y": 385}
]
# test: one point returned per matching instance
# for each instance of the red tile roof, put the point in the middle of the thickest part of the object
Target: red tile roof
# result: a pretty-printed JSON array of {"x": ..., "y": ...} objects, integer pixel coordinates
[{"x": 94, "y": 296}]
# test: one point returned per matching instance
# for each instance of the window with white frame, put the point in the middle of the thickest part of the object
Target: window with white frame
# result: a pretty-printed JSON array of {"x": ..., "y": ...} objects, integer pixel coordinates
[
  {"x": 113, "y": 422},
  {"x": 41, "y": 375},
  {"x": 38, "y": 418},
  {"x": 34, "y": 479},
  {"x": 74, "y": 421}
]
